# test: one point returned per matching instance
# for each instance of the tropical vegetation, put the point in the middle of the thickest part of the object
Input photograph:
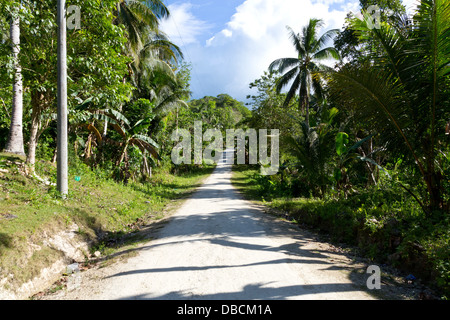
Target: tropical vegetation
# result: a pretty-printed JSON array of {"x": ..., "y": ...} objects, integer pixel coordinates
[
  {"x": 363, "y": 114},
  {"x": 365, "y": 156}
]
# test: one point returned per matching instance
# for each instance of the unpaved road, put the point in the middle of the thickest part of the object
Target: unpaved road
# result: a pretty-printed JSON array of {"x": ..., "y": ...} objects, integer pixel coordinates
[{"x": 218, "y": 246}]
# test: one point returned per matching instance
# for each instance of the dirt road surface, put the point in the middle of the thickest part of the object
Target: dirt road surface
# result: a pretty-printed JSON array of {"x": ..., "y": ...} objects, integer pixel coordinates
[{"x": 218, "y": 246}]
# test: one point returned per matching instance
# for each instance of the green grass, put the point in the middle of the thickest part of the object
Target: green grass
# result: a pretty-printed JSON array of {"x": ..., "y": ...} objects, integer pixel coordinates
[
  {"x": 105, "y": 211},
  {"x": 385, "y": 226}
]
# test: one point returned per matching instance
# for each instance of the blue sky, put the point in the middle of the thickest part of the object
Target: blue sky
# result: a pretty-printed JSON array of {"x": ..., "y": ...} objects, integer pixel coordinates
[{"x": 230, "y": 43}]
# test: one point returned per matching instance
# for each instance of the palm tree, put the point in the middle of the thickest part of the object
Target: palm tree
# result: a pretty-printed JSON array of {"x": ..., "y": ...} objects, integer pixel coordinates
[
  {"x": 139, "y": 16},
  {"x": 403, "y": 89},
  {"x": 155, "y": 60},
  {"x": 15, "y": 140},
  {"x": 155, "y": 77},
  {"x": 302, "y": 73},
  {"x": 158, "y": 45},
  {"x": 152, "y": 52},
  {"x": 313, "y": 149}
]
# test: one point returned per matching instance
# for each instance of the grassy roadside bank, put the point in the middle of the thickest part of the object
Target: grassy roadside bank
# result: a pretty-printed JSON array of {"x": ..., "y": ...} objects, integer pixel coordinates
[
  {"x": 107, "y": 213},
  {"x": 391, "y": 237}
]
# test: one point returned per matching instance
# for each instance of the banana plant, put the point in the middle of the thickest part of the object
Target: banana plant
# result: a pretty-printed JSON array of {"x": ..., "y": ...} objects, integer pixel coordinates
[
  {"x": 347, "y": 154},
  {"x": 130, "y": 135},
  {"x": 134, "y": 136}
]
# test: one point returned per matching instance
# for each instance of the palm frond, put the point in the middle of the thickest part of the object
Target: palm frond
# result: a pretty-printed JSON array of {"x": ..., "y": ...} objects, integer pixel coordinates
[
  {"x": 281, "y": 65},
  {"x": 131, "y": 23},
  {"x": 301, "y": 152},
  {"x": 379, "y": 97},
  {"x": 165, "y": 49},
  {"x": 324, "y": 39},
  {"x": 140, "y": 17},
  {"x": 317, "y": 85},
  {"x": 309, "y": 34},
  {"x": 297, "y": 42},
  {"x": 293, "y": 90},
  {"x": 391, "y": 41},
  {"x": 170, "y": 104},
  {"x": 286, "y": 79},
  {"x": 141, "y": 125},
  {"x": 158, "y": 8},
  {"x": 155, "y": 67},
  {"x": 327, "y": 53},
  {"x": 144, "y": 17}
]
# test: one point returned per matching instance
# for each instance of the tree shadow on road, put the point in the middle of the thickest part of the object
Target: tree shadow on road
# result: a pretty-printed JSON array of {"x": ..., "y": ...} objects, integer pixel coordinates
[
  {"x": 231, "y": 227},
  {"x": 259, "y": 291}
]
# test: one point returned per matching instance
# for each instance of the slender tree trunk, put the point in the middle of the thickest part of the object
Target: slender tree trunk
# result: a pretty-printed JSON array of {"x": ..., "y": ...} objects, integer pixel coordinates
[
  {"x": 123, "y": 155},
  {"x": 433, "y": 181},
  {"x": 303, "y": 98},
  {"x": 304, "y": 105},
  {"x": 15, "y": 139},
  {"x": 368, "y": 166},
  {"x": 88, "y": 148},
  {"x": 146, "y": 169},
  {"x": 36, "y": 104},
  {"x": 307, "y": 111}
]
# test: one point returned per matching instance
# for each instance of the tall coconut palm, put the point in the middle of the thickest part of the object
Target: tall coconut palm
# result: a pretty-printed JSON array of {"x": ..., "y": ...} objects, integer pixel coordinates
[
  {"x": 302, "y": 73},
  {"x": 138, "y": 16},
  {"x": 15, "y": 140},
  {"x": 141, "y": 20},
  {"x": 158, "y": 56},
  {"x": 155, "y": 77}
]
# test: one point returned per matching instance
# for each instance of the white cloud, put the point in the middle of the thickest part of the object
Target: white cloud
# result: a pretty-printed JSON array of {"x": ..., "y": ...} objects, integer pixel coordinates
[
  {"x": 227, "y": 33},
  {"x": 410, "y": 5},
  {"x": 182, "y": 26},
  {"x": 210, "y": 41},
  {"x": 254, "y": 36}
]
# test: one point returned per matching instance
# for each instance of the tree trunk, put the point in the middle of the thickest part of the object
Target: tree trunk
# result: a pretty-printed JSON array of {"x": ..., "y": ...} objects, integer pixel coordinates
[
  {"x": 36, "y": 104},
  {"x": 368, "y": 165},
  {"x": 433, "y": 181},
  {"x": 88, "y": 147},
  {"x": 307, "y": 111},
  {"x": 15, "y": 139},
  {"x": 303, "y": 99}
]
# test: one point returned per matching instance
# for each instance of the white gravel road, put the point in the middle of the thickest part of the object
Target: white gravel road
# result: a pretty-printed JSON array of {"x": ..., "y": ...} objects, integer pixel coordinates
[{"x": 218, "y": 246}]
